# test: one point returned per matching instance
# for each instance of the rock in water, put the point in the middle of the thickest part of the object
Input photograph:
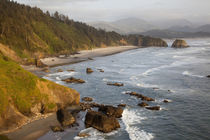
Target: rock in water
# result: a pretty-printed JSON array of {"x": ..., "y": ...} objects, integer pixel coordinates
[
  {"x": 74, "y": 80},
  {"x": 178, "y": 43},
  {"x": 89, "y": 70},
  {"x": 143, "y": 104},
  {"x": 65, "y": 117},
  {"x": 208, "y": 76},
  {"x": 101, "y": 121},
  {"x": 115, "y": 84},
  {"x": 111, "y": 111},
  {"x": 57, "y": 129},
  {"x": 153, "y": 107},
  {"x": 87, "y": 99}
]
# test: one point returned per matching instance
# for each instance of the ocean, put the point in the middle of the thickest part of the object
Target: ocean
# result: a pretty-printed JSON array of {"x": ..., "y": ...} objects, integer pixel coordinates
[{"x": 178, "y": 75}]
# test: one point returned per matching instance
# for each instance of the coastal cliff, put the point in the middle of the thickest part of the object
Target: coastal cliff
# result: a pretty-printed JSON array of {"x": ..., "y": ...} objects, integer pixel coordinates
[{"x": 23, "y": 95}]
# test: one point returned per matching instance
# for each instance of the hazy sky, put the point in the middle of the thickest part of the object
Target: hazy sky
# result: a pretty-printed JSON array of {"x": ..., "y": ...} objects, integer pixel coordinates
[{"x": 108, "y": 10}]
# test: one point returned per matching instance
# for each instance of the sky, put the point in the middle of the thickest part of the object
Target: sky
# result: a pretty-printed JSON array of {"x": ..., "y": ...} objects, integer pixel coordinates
[{"x": 111, "y": 10}]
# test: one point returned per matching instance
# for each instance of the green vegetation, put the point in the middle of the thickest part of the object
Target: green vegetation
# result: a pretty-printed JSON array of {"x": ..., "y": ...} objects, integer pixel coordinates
[
  {"x": 17, "y": 84},
  {"x": 30, "y": 32},
  {"x": 3, "y": 137}
]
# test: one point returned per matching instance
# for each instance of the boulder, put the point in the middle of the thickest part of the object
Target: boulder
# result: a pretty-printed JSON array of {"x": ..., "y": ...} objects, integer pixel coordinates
[
  {"x": 144, "y": 98},
  {"x": 166, "y": 101},
  {"x": 101, "y": 121},
  {"x": 101, "y": 70},
  {"x": 87, "y": 99},
  {"x": 115, "y": 84},
  {"x": 65, "y": 117},
  {"x": 89, "y": 70},
  {"x": 208, "y": 76},
  {"x": 143, "y": 104},
  {"x": 71, "y": 70},
  {"x": 74, "y": 80},
  {"x": 57, "y": 129},
  {"x": 39, "y": 63},
  {"x": 111, "y": 111},
  {"x": 88, "y": 106},
  {"x": 83, "y": 135},
  {"x": 121, "y": 105},
  {"x": 178, "y": 43},
  {"x": 135, "y": 94},
  {"x": 153, "y": 107}
]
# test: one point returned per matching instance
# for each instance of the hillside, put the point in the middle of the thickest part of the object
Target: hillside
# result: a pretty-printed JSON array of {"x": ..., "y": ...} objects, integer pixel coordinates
[
  {"x": 30, "y": 32},
  {"x": 24, "y": 95}
]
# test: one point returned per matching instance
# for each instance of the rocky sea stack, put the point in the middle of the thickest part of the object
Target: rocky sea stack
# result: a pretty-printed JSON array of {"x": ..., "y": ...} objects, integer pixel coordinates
[{"x": 178, "y": 43}]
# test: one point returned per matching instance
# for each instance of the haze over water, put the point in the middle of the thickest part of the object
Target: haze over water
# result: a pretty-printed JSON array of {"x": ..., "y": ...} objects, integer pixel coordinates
[{"x": 161, "y": 73}]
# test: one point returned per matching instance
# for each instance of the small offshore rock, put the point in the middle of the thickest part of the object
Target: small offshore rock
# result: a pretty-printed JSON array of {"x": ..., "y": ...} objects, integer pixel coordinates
[
  {"x": 143, "y": 104},
  {"x": 57, "y": 129},
  {"x": 71, "y": 70},
  {"x": 208, "y": 76},
  {"x": 153, "y": 107},
  {"x": 101, "y": 70},
  {"x": 166, "y": 101},
  {"x": 89, "y": 70},
  {"x": 144, "y": 98},
  {"x": 115, "y": 84},
  {"x": 87, "y": 99},
  {"x": 74, "y": 80}
]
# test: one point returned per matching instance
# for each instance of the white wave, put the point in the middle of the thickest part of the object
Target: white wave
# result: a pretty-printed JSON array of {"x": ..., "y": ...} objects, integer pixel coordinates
[
  {"x": 146, "y": 73},
  {"x": 65, "y": 73},
  {"x": 94, "y": 134},
  {"x": 58, "y": 78},
  {"x": 130, "y": 119},
  {"x": 147, "y": 85},
  {"x": 187, "y": 73}
]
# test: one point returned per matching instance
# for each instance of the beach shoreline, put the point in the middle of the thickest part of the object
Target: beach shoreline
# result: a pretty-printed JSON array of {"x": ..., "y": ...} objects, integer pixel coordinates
[{"x": 36, "y": 129}]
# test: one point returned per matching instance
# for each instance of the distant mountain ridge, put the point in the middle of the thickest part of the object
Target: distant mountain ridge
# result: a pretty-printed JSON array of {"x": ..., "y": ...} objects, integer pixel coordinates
[{"x": 162, "y": 29}]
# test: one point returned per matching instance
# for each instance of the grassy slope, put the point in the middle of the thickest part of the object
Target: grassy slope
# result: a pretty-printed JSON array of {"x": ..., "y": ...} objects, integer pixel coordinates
[{"x": 23, "y": 90}]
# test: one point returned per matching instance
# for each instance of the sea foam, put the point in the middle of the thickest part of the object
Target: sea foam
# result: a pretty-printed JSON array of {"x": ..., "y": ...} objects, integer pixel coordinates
[{"x": 130, "y": 119}]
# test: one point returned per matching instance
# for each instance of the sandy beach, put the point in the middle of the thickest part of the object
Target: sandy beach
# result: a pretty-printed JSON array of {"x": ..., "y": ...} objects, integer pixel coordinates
[{"x": 86, "y": 55}]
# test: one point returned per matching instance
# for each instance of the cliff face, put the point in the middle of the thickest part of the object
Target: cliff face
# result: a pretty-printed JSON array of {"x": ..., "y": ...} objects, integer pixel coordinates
[
  {"x": 149, "y": 41},
  {"x": 23, "y": 95},
  {"x": 178, "y": 43},
  {"x": 146, "y": 41}
]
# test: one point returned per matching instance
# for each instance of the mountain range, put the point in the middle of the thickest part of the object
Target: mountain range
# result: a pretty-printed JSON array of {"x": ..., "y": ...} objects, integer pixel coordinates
[{"x": 164, "y": 28}]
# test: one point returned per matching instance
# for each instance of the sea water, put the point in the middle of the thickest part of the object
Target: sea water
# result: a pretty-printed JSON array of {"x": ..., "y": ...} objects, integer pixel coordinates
[{"x": 178, "y": 75}]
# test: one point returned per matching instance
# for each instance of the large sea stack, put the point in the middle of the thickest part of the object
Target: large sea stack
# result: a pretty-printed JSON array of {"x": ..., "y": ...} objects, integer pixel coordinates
[{"x": 178, "y": 43}]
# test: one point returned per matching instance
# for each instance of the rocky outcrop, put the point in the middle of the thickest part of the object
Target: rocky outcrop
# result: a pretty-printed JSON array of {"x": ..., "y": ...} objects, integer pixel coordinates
[
  {"x": 65, "y": 117},
  {"x": 83, "y": 135},
  {"x": 143, "y": 104},
  {"x": 74, "y": 80},
  {"x": 39, "y": 63},
  {"x": 153, "y": 107},
  {"x": 115, "y": 84},
  {"x": 57, "y": 129},
  {"x": 144, "y": 98},
  {"x": 87, "y": 99},
  {"x": 89, "y": 70},
  {"x": 178, "y": 43},
  {"x": 149, "y": 41},
  {"x": 101, "y": 121},
  {"x": 111, "y": 111}
]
